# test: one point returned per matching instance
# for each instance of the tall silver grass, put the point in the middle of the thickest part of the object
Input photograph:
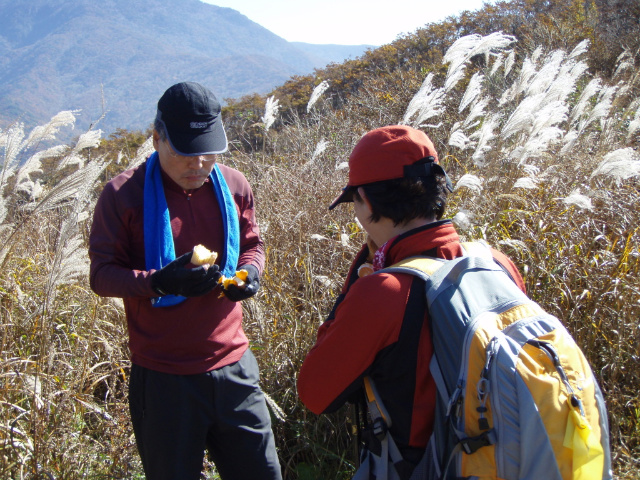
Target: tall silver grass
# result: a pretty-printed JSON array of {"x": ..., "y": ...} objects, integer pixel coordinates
[
  {"x": 472, "y": 92},
  {"x": 24, "y": 182},
  {"x": 15, "y": 144},
  {"x": 318, "y": 91},
  {"x": 429, "y": 101},
  {"x": 538, "y": 118},
  {"x": 527, "y": 183},
  {"x": 88, "y": 139},
  {"x": 585, "y": 117},
  {"x": 460, "y": 140},
  {"x": 270, "y": 111},
  {"x": 321, "y": 146},
  {"x": 620, "y": 165},
  {"x": 463, "y": 220},
  {"x": 634, "y": 124},
  {"x": 72, "y": 189},
  {"x": 468, "y": 47},
  {"x": 425, "y": 104},
  {"x": 624, "y": 63},
  {"x": 470, "y": 181},
  {"x": 143, "y": 153},
  {"x": 49, "y": 218},
  {"x": 579, "y": 200},
  {"x": 484, "y": 136}
]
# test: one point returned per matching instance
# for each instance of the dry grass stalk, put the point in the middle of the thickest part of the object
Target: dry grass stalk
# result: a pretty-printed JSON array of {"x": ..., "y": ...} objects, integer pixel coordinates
[{"x": 550, "y": 177}]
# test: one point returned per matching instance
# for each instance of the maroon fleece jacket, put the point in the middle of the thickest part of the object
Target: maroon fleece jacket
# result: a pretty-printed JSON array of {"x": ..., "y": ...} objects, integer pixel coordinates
[{"x": 201, "y": 333}]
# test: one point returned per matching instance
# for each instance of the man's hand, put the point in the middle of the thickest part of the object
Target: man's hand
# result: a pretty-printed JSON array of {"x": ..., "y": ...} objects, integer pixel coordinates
[
  {"x": 176, "y": 279},
  {"x": 250, "y": 288}
]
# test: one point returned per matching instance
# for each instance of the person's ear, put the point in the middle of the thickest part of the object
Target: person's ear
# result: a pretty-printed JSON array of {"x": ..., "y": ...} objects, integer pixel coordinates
[
  {"x": 364, "y": 197},
  {"x": 156, "y": 139}
]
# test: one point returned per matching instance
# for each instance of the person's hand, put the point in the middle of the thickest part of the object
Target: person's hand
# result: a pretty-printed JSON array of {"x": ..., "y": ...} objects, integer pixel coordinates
[
  {"x": 175, "y": 279},
  {"x": 249, "y": 289}
]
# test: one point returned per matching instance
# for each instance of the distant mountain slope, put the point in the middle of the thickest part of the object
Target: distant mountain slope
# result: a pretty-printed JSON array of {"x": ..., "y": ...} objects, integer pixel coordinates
[
  {"x": 119, "y": 56},
  {"x": 333, "y": 53}
]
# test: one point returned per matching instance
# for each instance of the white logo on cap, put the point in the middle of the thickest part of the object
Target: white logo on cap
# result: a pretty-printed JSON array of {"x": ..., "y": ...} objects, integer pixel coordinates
[{"x": 198, "y": 124}]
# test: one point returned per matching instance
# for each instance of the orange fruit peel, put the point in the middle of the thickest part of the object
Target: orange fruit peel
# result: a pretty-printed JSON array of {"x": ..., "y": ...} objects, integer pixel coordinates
[{"x": 239, "y": 279}]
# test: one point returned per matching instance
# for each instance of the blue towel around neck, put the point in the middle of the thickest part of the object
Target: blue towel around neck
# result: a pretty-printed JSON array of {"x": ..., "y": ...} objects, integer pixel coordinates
[{"x": 158, "y": 237}]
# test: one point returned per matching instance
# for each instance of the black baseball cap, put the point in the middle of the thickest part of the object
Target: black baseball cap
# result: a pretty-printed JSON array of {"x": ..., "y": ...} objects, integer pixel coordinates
[{"x": 190, "y": 115}]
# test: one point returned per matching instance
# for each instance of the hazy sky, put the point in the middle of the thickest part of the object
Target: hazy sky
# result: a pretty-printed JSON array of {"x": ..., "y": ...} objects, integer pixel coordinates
[{"x": 346, "y": 22}]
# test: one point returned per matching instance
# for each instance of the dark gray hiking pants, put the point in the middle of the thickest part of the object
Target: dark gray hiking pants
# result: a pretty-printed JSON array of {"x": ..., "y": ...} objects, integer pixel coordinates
[{"x": 175, "y": 417}]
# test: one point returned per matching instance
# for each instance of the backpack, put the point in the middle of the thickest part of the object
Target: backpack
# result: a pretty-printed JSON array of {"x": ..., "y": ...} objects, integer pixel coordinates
[{"x": 516, "y": 396}]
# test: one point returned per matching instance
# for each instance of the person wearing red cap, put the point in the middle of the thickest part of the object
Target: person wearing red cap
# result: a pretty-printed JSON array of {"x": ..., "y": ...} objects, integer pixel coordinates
[
  {"x": 194, "y": 381},
  {"x": 379, "y": 325}
]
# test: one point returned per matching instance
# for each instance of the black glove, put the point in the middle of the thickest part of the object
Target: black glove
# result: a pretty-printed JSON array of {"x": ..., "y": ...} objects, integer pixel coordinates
[
  {"x": 252, "y": 284},
  {"x": 175, "y": 279}
]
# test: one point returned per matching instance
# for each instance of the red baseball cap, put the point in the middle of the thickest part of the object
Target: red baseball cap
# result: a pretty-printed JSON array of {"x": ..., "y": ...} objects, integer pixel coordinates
[{"x": 383, "y": 154}]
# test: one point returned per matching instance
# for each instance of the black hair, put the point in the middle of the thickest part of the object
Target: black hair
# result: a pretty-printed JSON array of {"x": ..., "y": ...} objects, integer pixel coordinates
[{"x": 405, "y": 199}]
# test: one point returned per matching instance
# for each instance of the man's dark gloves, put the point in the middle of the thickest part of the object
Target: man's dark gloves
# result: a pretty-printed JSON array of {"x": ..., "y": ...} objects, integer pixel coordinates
[
  {"x": 252, "y": 284},
  {"x": 175, "y": 279}
]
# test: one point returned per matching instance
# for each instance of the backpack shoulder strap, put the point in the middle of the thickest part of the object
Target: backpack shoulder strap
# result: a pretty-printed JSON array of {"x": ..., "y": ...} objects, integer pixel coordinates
[
  {"x": 478, "y": 248},
  {"x": 423, "y": 267},
  {"x": 430, "y": 265},
  {"x": 387, "y": 456},
  {"x": 376, "y": 407}
]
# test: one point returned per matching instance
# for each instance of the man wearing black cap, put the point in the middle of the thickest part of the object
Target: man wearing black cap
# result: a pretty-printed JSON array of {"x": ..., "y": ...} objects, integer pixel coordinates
[
  {"x": 379, "y": 326},
  {"x": 194, "y": 381}
]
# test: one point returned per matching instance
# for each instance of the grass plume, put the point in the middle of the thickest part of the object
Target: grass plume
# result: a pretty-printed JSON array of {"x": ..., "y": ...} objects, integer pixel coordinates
[{"x": 544, "y": 158}]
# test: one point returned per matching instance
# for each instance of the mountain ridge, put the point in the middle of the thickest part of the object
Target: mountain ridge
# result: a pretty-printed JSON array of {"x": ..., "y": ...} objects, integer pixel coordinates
[{"x": 116, "y": 57}]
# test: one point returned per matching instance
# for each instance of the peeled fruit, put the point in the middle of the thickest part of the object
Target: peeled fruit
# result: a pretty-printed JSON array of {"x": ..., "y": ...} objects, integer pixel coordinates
[{"x": 203, "y": 256}]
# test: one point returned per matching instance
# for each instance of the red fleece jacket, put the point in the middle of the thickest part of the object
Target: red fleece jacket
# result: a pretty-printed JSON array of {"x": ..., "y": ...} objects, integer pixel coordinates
[{"x": 379, "y": 327}]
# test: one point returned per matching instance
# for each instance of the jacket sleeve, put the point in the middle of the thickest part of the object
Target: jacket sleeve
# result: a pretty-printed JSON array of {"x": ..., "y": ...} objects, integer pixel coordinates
[
  {"x": 352, "y": 276},
  {"x": 251, "y": 244},
  {"x": 112, "y": 271},
  {"x": 368, "y": 319}
]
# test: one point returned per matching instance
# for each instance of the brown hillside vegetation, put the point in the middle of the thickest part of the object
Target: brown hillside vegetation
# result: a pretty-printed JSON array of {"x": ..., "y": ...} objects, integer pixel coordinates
[
  {"x": 539, "y": 129},
  {"x": 612, "y": 26}
]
